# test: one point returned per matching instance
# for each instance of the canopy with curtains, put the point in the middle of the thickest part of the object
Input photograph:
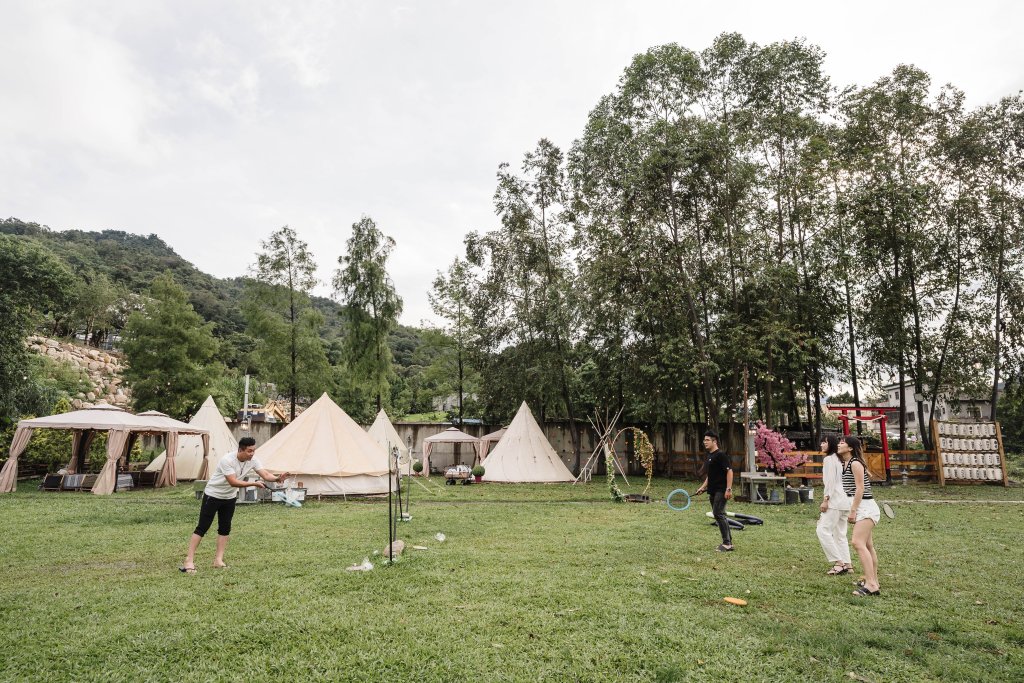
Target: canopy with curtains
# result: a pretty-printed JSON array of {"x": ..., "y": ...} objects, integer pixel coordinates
[
  {"x": 122, "y": 429},
  {"x": 449, "y": 436}
]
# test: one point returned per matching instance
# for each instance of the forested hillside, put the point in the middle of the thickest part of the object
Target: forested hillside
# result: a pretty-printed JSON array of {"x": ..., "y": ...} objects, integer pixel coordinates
[{"x": 111, "y": 271}]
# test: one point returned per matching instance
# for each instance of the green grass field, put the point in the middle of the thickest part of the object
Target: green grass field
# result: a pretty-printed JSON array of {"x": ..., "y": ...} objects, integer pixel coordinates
[{"x": 534, "y": 583}]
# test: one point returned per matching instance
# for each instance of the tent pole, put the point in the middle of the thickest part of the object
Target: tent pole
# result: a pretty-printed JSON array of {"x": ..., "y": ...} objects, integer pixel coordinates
[
  {"x": 398, "y": 484},
  {"x": 391, "y": 539}
]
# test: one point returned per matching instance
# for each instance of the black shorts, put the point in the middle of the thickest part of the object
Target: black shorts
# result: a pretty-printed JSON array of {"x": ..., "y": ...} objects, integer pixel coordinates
[{"x": 223, "y": 508}]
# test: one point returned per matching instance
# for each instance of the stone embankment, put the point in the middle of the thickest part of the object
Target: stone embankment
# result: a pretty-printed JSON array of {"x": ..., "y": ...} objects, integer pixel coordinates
[{"x": 102, "y": 367}]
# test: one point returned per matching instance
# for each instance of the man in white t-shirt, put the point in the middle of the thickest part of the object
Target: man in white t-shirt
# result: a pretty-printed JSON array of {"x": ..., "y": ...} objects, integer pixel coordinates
[{"x": 220, "y": 496}]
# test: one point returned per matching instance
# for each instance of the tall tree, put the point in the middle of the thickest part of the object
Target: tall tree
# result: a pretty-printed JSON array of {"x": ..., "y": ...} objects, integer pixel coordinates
[
  {"x": 889, "y": 133},
  {"x": 524, "y": 308},
  {"x": 34, "y": 282},
  {"x": 452, "y": 299},
  {"x": 1001, "y": 130},
  {"x": 282, "y": 319},
  {"x": 169, "y": 351},
  {"x": 371, "y": 306}
]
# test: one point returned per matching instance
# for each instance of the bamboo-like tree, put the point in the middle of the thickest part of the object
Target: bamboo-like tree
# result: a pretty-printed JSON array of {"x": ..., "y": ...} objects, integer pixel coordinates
[
  {"x": 452, "y": 299},
  {"x": 282, "y": 319},
  {"x": 371, "y": 307}
]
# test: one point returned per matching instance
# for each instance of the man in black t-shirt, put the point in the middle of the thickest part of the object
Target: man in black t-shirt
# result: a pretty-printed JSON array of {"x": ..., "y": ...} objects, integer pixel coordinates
[{"x": 718, "y": 484}]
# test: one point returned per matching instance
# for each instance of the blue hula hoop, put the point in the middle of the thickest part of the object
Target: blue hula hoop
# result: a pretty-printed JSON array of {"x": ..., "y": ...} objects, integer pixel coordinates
[{"x": 668, "y": 500}]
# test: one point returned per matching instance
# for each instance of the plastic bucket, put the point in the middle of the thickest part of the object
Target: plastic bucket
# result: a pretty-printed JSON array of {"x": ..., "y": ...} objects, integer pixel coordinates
[
  {"x": 792, "y": 496},
  {"x": 805, "y": 494}
]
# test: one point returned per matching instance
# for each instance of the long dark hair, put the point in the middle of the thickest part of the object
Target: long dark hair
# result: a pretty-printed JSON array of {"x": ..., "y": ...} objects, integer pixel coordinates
[
  {"x": 833, "y": 445},
  {"x": 857, "y": 452}
]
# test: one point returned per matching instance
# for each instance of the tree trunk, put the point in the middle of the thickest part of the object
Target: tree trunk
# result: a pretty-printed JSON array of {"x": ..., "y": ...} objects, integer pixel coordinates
[
  {"x": 294, "y": 347},
  {"x": 950, "y": 325},
  {"x": 918, "y": 356},
  {"x": 997, "y": 357}
]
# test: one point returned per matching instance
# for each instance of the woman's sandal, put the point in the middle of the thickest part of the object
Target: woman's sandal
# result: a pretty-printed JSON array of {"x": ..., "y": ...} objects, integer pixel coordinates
[
  {"x": 863, "y": 592},
  {"x": 838, "y": 570},
  {"x": 187, "y": 570}
]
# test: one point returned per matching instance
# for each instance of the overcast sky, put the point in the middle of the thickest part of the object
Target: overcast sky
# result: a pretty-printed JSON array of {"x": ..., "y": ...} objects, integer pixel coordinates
[{"x": 212, "y": 123}]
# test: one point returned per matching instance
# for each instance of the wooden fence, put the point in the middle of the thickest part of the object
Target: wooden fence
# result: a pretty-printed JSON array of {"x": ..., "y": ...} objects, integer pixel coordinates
[{"x": 920, "y": 465}]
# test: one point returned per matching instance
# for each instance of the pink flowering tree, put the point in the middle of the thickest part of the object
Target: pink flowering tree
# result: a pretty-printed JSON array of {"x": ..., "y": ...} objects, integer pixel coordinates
[{"x": 772, "y": 450}]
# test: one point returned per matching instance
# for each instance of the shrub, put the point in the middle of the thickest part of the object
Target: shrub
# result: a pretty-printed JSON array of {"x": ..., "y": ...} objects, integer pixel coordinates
[
  {"x": 417, "y": 466},
  {"x": 478, "y": 471}
]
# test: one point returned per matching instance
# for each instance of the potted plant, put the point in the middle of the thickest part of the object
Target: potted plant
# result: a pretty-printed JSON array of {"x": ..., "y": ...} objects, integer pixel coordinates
[
  {"x": 478, "y": 472},
  {"x": 417, "y": 467}
]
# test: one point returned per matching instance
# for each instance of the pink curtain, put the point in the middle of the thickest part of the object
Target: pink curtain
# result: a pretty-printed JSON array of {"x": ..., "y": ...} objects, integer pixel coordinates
[
  {"x": 169, "y": 473},
  {"x": 117, "y": 444},
  {"x": 204, "y": 469},
  {"x": 9, "y": 474},
  {"x": 427, "y": 447},
  {"x": 78, "y": 446}
]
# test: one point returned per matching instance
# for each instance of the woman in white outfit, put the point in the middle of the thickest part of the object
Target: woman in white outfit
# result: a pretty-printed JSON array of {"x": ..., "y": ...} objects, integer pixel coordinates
[{"x": 835, "y": 509}]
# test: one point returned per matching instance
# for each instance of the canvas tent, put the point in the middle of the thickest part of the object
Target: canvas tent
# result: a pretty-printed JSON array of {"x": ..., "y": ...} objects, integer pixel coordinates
[
  {"x": 328, "y": 452},
  {"x": 122, "y": 430},
  {"x": 449, "y": 436},
  {"x": 524, "y": 454},
  {"x": 189, "y": 461},
  {"x": 488, "y": 441},
  {"x": 384, "y": 433}
]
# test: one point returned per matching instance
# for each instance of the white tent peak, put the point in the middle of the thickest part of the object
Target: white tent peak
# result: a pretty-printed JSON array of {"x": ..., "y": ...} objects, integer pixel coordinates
[
  {"x": 385, "y": 434},
  {"x": 524, "y": 454},
  {"x": 189, "y": 458}
]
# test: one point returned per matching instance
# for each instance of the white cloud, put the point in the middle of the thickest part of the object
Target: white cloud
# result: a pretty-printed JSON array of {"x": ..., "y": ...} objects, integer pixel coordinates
[
  {"x": 71, "y": 90},
  {"x": 213, "y": 124}
]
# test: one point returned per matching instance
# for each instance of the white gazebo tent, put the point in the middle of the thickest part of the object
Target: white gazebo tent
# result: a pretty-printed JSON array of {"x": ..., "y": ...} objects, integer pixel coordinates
[
  {"x": 189, "y": 461},
  {"x": 325, "y": 450},
  {"x": 122, "y": 429},
  {"x": 384, "y": 433},
  {"x": 524, "y": 454},
  {"x": 449, "y": 436},
  {"x": 487, "y": 441}
]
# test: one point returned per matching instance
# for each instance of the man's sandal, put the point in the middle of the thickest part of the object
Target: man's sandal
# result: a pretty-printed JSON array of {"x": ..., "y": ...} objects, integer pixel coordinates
[
  {"x": 838, "y": 570},
  {"x": 187, "y": 570},
  {"x": 863, "y": 592}
]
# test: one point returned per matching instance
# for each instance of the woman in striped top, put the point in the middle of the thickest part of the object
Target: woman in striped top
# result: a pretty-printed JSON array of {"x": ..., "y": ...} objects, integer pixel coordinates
[{"x": 864, "y": 513}]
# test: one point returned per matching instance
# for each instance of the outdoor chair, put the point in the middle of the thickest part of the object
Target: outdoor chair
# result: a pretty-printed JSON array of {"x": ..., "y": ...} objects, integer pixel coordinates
[{"x": 52, "y": 482}]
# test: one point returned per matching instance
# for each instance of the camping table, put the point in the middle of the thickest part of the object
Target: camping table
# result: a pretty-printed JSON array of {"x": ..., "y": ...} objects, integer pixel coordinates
[{"x": 766, "y": 478}]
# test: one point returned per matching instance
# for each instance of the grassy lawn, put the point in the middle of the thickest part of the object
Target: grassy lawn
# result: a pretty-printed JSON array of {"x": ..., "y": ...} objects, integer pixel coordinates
[{"x": 534, "y": 583}]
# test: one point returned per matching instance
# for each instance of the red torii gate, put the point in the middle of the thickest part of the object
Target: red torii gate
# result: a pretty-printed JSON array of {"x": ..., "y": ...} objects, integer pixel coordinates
[{"x": 874, "y": 413}]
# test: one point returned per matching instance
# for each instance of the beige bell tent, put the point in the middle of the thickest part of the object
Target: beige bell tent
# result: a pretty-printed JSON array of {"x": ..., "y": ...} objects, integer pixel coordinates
[
  {"x": 524, "y": 454},
  {"x": 190, "y": 462},
  {"x": 328, "y": 452},
  {"x": 384, "y": 433}
]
